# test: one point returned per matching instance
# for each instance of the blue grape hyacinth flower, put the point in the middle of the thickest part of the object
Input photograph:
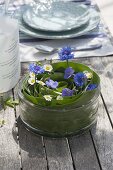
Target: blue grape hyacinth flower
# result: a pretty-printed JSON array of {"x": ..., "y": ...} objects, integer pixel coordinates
[
  {"x": 91, "y": 87},
  {"x": 66, "y": 53},
  {"x": 52, "y": 84},
  {"x": 80, "y": 79},
  {"x": 67, "y": 92},
  {"x": 68, "y": 72}
]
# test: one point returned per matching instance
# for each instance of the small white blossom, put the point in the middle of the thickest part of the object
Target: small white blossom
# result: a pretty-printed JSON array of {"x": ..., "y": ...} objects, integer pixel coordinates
[
  {"x": 48, "y": 97},
  {"x": 89, "y": 75},
  {"x": 40, "y": 82},
  {"x": 32, "y": 75},
  {"x": 59, "y": 97},
  {"x": 48, "y": 67},
  {"x": 31, "y": 81}
]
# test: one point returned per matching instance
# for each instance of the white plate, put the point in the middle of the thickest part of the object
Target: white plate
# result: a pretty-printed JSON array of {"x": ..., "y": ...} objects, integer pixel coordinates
[
  {"x": 62, "y": 16},
  {"x": 93, "y": 22}
]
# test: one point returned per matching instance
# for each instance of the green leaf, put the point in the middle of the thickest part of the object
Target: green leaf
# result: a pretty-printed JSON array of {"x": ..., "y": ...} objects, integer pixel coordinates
[
  {"x": 46, "y": 91},
  {"x": 57, "y": 76},
  {"x": 66, "y": 100},
  {"x": 95, "y": 79},
  {"x": 11, "y": 102},
  {"x": 61, "y": 66},
  {"x": 34, "y": 100}
]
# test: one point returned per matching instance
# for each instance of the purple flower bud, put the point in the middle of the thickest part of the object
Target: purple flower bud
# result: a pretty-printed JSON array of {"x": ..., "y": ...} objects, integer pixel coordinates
[{"x": 67, "y": 92}]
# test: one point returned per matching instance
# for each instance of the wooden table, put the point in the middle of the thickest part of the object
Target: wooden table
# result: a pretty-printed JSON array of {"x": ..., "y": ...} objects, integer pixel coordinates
[{"x": 23, "y": 150}]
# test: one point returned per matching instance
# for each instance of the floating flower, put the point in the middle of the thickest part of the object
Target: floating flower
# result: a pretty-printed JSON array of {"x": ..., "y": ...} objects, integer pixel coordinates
[
  {"x": 91, "y": 87},
  {"x": 52, "y": 84},
  {"x": 36, "y": 69},
  {"x": 80, "y": 79},
  {"x": 67, "y": 92},
  {"x": 66, "y": 53},
  {"x": 40, "y": 82},
  {"x": 48, "y": 67},
  {"x": 32, "y": 75},
  {"x": 31, "y": 80},
  {"x": 59, "y": 97},
  {"x": 89, "y": 75},
  {"x": 68, "y": 72},
  {"x": 47, "y": 97}
]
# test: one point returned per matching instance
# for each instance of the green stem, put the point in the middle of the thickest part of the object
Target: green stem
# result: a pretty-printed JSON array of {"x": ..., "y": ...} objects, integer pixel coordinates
[
  {"x": 35, "y": 86},
  {"x": 51, "y": 61},
  {"x": 81, "y": 88},
  {"x": 67, "y": 63}
]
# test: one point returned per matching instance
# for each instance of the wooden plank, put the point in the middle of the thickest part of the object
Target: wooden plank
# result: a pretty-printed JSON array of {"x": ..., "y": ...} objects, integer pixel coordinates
[
  {"x": 105, "y": 72},
  {"x": 58, "y": 154},
  {"x": 83, "y": 153},
  {"x": 9, "y": 150},
  {"x": 102, "y": 134},
  {"x": 31, "y": 149},
  {"x": 108, "y": 67},
  {"x": 103, "y": 139},
  {"x": 24, "y": 68}
]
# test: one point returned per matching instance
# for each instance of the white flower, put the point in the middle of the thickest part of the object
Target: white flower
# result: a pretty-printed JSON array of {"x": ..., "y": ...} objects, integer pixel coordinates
[
  {"x": 89, "y": 75},
  {"x": 59, "y": 97},
  {"x": 48, "y": 67},
  {"x": 48, "y": 97},
  {"x": 40, "y": 82},
  {"x": 32, "y": 75},
  {"x": 31, "y": 81}
]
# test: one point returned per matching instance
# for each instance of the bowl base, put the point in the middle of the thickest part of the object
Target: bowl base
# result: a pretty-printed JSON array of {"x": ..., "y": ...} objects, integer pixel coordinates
[{"x": 55, "y": 135}]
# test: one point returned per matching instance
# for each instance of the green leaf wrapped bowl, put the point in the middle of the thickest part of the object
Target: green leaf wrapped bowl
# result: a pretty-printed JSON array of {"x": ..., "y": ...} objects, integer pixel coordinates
[{"x": 71, "y": 116}]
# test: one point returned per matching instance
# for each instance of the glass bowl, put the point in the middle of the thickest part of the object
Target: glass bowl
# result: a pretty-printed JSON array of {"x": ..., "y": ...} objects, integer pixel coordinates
[{"x": 61, "y": 121}]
